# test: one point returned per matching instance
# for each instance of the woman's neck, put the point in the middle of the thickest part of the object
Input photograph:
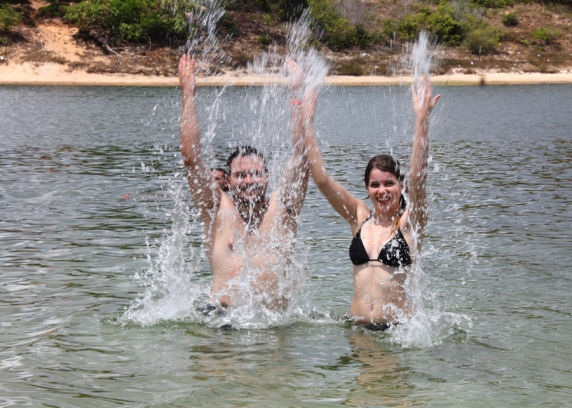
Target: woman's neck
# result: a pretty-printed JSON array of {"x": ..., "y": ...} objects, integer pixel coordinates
[{"x": 385, "y": 220}]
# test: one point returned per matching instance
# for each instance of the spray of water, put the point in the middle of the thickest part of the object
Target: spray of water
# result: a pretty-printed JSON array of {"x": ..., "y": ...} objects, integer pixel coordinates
[
  {"x": 203, "y": 17},
  {"x": 264, "y": 294},
  {"x": 172, "y": 289},
  {"x": 428, "y": 324},
  {"x": 168, "y": 292}
]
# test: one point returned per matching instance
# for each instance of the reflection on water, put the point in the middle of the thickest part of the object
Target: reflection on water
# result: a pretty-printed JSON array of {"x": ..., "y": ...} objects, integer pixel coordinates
[{"x": 496, "y": 252}]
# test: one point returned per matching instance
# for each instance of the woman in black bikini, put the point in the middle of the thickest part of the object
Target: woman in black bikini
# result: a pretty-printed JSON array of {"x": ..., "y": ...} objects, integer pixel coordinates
[{"x": 386, "y": 238}]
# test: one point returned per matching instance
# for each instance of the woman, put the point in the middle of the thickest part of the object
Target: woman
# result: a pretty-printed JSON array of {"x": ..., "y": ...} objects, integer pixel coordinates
[{"x": 385, "y": 239}]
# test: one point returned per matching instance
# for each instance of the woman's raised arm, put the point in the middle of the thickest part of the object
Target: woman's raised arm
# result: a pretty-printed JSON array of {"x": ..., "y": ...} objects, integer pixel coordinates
[
  {"x": 341, "y": 199},
  {"x": 423, "y": 104}
]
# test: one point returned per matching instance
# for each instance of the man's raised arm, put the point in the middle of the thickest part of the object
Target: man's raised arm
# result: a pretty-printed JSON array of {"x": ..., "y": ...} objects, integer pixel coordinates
[
  {"x": 203, "y": 187},
  {"x": 294, "y": 182}
]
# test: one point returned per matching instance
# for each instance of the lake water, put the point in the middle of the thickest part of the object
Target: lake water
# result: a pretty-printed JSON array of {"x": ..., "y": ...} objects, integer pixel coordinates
[{"x": 98, "y": 289}]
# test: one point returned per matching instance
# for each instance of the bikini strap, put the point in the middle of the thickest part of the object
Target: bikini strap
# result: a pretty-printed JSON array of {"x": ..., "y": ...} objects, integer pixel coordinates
[{"x": 362, "y": 224}]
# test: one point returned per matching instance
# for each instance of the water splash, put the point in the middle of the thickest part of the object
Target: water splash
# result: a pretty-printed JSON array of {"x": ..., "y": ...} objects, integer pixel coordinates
[
  {"x": 271, "y": 110},
  {"x": 172, "y": 289},
  {"x": 175, "y": 289},
  {"x": 169, "y": 293},
  {"x": 203, "y": 17},
  {"x": 429, "y": 323}
]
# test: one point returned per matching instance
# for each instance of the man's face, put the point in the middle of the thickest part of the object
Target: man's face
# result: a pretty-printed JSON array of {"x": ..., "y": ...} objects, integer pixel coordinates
[
  {"x": 248, "y": 179},
  {"x": 220, "y": 179}
]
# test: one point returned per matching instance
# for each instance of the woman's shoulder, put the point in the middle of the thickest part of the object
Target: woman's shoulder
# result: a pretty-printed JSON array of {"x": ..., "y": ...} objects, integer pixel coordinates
[
  {"x": 406, "y": 229},
  {"x": 362, "y": 214}
]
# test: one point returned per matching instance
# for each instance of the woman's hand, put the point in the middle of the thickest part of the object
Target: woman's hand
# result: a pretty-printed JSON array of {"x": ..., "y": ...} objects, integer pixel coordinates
[
  {"x": 295, "y": 75},
  {"x": 187, "y": 76},
  {"x": 423, "y": 100}
]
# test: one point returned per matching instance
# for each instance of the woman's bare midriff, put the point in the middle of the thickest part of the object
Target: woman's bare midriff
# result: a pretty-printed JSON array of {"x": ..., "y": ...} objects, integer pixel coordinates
[{"x": 379, "y": 296}]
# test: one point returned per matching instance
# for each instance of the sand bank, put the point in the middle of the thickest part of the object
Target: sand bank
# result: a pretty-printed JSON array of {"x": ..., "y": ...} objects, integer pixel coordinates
[{"x": 56, "y": 74}]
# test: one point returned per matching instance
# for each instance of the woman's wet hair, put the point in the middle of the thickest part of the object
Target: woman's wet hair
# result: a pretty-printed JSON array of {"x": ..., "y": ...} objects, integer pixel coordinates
[
  {"x": 245, "y": 151},
  {"x": 389, "y": 164}
]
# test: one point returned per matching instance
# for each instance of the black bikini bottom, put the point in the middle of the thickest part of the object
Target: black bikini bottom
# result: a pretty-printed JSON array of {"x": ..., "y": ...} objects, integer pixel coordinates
[
  {"x": 378, "y": 326},
  {"x": 347, "y": 319},
  {"x": 209, "y": 309}
]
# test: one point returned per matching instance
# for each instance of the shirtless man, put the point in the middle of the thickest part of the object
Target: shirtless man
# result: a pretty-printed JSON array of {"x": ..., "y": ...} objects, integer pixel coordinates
[{"x": 246, "y": 232}]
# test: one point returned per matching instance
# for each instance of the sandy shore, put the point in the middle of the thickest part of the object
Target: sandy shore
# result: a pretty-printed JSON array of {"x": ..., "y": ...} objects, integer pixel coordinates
[{"x": 55, "y": 74}]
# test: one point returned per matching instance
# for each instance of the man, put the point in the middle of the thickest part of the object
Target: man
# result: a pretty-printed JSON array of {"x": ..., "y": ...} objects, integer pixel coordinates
[
  {"x": 221, "y": 178},
  {"x": 249, "y": 236}
]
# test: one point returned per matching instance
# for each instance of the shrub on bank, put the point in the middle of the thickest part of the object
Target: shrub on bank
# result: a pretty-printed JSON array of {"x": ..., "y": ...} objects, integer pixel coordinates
[
  {"x": 338, "y": 32},
  {"x": 547, "y": 35},
  {"x": 55, "y": 8},
  {"x": 351, "y": 68},
  {"x": 287, "y": 10},
  {"x": 483, "y": 39},
  {"x": 8, "y": 18},
  {"x": 445, "y": 26},
  {"x": 510, "y": 20},
  {"x": 130, "y": 20},
  {"x": 494, "y": 3},
  {"x": 409, "y": 27}
]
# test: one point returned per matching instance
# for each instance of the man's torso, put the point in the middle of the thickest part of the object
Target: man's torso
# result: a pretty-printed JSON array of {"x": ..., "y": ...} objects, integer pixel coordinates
[{"x": 249, "y": 259}]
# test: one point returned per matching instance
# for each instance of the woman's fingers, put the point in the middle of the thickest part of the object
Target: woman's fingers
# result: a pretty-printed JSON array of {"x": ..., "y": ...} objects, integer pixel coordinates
[
  {"x": 423, "y": 99},
  {"x": 295, "y": 74},
  {"x": 187, "y": 74}
]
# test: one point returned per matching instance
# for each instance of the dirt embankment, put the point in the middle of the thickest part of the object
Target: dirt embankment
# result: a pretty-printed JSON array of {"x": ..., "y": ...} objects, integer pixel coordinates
[{"x": 52, "y": 53}]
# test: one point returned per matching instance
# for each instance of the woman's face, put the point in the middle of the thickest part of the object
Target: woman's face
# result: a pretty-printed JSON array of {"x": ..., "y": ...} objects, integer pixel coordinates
[{"x": 384, "y": 191}]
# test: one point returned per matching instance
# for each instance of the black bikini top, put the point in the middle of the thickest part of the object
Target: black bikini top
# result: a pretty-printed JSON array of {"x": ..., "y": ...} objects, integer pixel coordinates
[{"x": 394, "y": 253}]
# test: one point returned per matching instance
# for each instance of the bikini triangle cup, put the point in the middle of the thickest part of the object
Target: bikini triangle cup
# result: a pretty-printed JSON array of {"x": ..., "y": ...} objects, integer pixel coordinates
[{"x": 395, "y": 252}]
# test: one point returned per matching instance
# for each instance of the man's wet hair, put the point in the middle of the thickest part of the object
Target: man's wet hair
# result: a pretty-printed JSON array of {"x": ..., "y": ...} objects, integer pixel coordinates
[{"x": 245, "y": 151}]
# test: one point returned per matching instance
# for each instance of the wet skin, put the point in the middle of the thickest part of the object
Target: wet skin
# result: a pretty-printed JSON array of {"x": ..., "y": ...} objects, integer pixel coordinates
[
  {"x": 250, "y": 233},
  {"x": 245, "y": 232},
  {"x": 379, "y": 294},
  {"x": 221, "y": 179},
  {"x": 378, "y": 288}
]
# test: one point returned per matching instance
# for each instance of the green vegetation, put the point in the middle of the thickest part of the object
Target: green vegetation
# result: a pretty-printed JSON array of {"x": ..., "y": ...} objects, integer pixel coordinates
[
  {"x": 337, "y": 30},
  {"x": 130, "y": 20},
  {"x": 510, "y": 20},
  {"x": 547, "y": 35},
  {"x": 352, "y": 68},
  {"x": 451, "y": 24},
  {"x": 8, "y": 18},
  {"x": 55, "y": 9},
  {"x": 472, "y": 25},
  {"x": 494, "y": 3},
  {"x": 483, "y": 40},
  {"x": 264, "y": 39},
  {"x": 286, "y": 10},
  {"x": 446, "y": 26}
]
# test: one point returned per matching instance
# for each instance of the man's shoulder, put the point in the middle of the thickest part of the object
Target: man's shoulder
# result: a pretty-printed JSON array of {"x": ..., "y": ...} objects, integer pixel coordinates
[{"x": 226, "y": 205}]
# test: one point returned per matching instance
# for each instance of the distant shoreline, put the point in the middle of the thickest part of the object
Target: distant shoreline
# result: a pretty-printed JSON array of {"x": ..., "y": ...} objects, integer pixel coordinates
[{"x": 54, "y": 74}]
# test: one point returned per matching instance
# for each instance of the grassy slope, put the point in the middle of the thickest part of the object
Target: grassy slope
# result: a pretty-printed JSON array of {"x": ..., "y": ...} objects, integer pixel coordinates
[{"x": 250, "y": 34}]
